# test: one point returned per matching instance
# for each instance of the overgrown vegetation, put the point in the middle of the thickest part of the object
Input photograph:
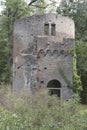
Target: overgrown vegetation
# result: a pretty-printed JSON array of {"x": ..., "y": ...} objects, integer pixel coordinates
[{"x": 40, "y": 112}]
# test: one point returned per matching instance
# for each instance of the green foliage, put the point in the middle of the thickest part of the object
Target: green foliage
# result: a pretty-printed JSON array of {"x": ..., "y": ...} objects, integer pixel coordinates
[
  {"x": 76, "y": 78},
  {"x": 39, "y": 7},
  {"x": 43, "y": 6},
  {"x": 43, "y": 112},
  {"x": 77, "y": 10},
  {"x": 4, "y": 54},
  {"x": 81, "y": 50},
  {"x": 13, "y": 11}
]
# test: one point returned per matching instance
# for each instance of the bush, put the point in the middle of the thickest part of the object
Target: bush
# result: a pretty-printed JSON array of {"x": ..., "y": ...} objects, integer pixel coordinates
[{"x": 42, "y": 112}]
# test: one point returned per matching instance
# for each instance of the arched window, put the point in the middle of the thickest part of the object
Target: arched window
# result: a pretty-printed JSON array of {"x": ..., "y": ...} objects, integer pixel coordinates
[
  {"x": 48, "y": 53},
  {"x": 41, "y": 53},
  {"x": 54, "y": 87},
  {"x": 55, "y": 53}
]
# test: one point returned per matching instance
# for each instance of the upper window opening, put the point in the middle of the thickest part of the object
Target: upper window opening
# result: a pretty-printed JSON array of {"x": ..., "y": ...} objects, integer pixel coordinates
[
  {"x": 46, "y": 29},
  {"x": 53, "y": 29}
]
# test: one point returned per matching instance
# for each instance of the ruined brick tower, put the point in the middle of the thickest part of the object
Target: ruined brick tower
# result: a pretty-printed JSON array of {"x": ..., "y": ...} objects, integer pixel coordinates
[{"x": 41, "y": 53}]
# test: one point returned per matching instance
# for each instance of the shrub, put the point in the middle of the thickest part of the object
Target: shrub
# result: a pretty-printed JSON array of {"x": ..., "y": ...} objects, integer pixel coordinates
[{"x": 42, "y": 112}]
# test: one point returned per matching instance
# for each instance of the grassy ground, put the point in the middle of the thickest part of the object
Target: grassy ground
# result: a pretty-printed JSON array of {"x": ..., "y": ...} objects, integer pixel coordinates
[{"x": 41, "y": 112}]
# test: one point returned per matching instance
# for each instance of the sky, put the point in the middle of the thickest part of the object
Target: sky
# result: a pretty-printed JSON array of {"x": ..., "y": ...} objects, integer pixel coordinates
[{"x": 0, "y": 6}]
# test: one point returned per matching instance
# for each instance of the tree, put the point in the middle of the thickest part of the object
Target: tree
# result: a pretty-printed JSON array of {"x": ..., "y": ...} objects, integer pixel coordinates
[
  {"x": 81, "y": 49},
  {"x": 43, "y": 6},
  {"x": 39, "y": 7},
  {"x": 77, "y": 10},
  {"x": 13, "y": 11}
]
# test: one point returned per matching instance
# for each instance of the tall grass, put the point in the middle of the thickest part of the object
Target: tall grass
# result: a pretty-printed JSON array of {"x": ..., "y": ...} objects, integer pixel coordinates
[{"x": 23, "y": 111}]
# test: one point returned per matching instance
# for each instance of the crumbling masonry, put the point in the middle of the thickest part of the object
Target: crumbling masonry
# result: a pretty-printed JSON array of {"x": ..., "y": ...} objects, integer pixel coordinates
[{"x": 41, "y": 53}]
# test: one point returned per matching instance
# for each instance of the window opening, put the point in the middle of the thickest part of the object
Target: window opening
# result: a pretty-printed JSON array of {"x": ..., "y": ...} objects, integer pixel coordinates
[
  {"x": 54, "y": 87},
  {"x": 46, "y": 29},
  {"x": 53, "y": 29}
]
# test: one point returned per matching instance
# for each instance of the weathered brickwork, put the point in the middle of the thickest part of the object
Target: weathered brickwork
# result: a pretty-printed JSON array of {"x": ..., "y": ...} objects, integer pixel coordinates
[{"x": 42, "y": 45}]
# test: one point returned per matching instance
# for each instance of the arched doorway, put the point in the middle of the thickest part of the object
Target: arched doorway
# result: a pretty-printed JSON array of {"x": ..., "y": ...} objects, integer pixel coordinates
[{"x": 54, "y": 87}]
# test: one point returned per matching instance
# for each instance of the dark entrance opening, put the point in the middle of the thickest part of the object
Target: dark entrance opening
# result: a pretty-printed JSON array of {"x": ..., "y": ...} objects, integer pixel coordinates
[{"x": 54, "y": 87}]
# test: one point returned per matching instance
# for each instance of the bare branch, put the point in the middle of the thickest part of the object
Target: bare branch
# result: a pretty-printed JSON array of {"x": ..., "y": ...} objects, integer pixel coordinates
[{"x": 37, "y": 6}]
